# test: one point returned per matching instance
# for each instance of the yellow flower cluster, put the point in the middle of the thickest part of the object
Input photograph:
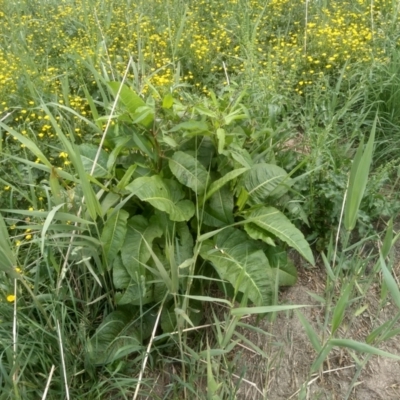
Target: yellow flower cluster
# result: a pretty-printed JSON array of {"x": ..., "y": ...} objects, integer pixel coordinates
[{"x": 290, "y": 44}]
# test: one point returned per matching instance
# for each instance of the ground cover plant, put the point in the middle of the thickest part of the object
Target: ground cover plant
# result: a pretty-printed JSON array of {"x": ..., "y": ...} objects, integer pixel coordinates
[{"x": 158, "y": 161}]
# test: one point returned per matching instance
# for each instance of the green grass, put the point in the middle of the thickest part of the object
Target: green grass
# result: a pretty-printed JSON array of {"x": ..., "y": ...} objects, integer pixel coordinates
[{"x": 217, "y": 93}]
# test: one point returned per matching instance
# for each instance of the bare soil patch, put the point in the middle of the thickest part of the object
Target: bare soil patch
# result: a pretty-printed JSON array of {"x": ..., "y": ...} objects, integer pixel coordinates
[{"x": 291, "y": 353}]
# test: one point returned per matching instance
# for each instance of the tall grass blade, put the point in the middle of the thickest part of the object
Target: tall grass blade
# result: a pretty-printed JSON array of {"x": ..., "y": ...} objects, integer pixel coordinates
[
  {"x": 91, "y": 200},
  {"x": 28, "y": 144},
  {"x": 328, "y": 267},
  {"x": 358, "y": 180},
  {"x": 161, "y": 269},
  {"x": 390, "y": 282},
  {"x": 212, "y": 385},
  {"x": 47, "y": 223},
  {"x": 264, "y": 309},
  {"x": 388, "y": 240},
  {"x": 321, "y": 357},
  {"x": 7, "y": 257},
  {"x": 340, "y": 308},
  {"x": 362, "y": 348},
  {"x": 312, "y": 335}
]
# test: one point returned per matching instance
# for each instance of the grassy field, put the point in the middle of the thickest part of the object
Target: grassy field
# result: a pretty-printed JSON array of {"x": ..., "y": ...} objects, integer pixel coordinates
[{"x": 168, "y": 167}]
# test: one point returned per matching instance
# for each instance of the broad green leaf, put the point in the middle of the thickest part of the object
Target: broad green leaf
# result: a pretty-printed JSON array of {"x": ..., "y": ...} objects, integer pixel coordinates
[
  {"x": 183, "y": 243},
  {"x": 142, "y": 113},
  {"x": 191, "y": 127},
  {"x": 219, "y": 183},
  {"x": 281, "y": 264},
  {"x": 218, "y": 212},
  {"x": 121, "y": 277},
  {"x": 176, "y": 191},
  {"x": 358, "y": 180},
  {"x": 109, "y": 200},
  {"x": 273, "y": 221},
  {"x": 241, "y": 155},
  {"x": 242, "y": 199},
  {"x": 263, "y": 179},
  {"x": 221, "y": 140},
  {"x": 235, "y": 115},
  {"x": 114, "y": 332},
  {"x": 362, "y": 348},
  {"x": 142, "y": 293},
  {"x": 168, "y": 101},
  {"x": 189, "y": 171},
  {"x": 135, "y": 253},
  {"x": 257, "y": 233},
  {"x": 168, "y": 319},
  {"x": 202, "y": 148},
  {"x": 131, "y": 101},
  {"x": 240, "y": 261},
  {"x": 155, "y": 191},
  {"x": 169, "y": 141},
  {"x": 113, "y": 234},
  {"x": 206, "y": 111},
  {"x": 131, "y": 273},
  {"x": 88, "y": 154}
]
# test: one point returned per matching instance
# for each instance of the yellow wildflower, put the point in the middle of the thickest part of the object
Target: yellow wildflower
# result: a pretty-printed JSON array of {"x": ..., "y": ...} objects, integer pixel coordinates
[{"x": 10, "y": 298}]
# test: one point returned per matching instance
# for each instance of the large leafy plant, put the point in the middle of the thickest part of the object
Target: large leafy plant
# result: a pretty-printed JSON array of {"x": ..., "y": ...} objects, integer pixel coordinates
[
  {"x": 192, "y": 188},
  {"x": 172, "y": 197}
]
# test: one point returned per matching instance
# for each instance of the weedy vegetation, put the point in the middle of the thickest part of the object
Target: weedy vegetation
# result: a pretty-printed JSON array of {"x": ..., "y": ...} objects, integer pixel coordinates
[{"x": 161, "y": 161}]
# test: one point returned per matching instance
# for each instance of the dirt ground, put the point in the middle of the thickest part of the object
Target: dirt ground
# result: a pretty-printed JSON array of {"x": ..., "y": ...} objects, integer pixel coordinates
[{"x": 290, "y": 354}]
